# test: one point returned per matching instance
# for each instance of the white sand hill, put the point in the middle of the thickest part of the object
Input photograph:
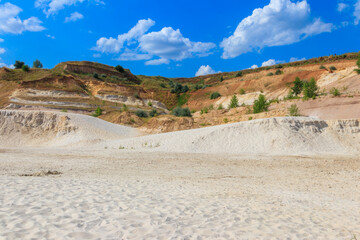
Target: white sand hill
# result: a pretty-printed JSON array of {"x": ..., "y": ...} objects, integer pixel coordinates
[{"x": 282, "y": 178}]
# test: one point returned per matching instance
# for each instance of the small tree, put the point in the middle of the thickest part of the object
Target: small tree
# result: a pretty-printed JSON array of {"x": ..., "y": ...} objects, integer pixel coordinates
[
  {"x": 141, "y": 114},
  {"x": 298, "y": 86},
  {"x": 96, "y": 75},
  {"x": 278, "y": 72},
  {"x": 221, "y": 78},
  {"x": 261, "y": 105},
  {"x": 215, "y": 95},
  {"x": 18, "y": 64},
  {"x": 153, "y": 113},
  {"x": 37, "y": 64},
  {"x": 119, "y": 68},
  {"x": 234, "y": 102},
  {"x": 98, "y": 112},
  {"x": 242, "y": 91},
  {"x": 181, "y": 112},
  {"x": 25, "y": 68},
  {"x": 310, "y": 89}
]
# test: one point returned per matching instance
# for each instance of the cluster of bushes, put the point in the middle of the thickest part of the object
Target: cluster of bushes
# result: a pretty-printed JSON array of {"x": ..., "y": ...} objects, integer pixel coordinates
[
  {"x": 308, "y": 88},
  {"x": 178, "y": 88},
  {"x": 143, "y": 114},
  {"x": 21, "y": 65},
  {"x": 215, "y": 95},
  {"x": 200, "y": 86},
  {"x": 119, "y": 69},
  {"x": 181, "y": 112}
]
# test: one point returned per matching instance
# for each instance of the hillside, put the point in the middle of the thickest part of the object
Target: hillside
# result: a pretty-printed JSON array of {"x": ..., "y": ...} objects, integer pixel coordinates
[{"x": 82, "y": 87}]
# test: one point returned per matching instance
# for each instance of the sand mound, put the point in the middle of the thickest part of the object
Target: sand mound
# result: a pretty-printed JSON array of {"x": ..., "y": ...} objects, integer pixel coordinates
[
  {"x": 39, "y": 128},
  {"x": 265, "y": 136}
]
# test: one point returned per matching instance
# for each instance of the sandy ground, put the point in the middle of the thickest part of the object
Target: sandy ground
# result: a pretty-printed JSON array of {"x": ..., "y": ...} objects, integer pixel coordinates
[{"x": 109, "y": 194}]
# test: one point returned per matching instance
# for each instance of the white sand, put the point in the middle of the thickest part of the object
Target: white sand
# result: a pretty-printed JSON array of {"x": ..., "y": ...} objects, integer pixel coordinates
[{"x": 111, "y": 193}]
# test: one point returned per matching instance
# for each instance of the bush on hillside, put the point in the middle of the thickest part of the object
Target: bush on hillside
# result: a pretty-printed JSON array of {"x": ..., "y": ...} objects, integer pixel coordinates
[
  {"x": 18, "y": 64},
  {"x": 335, "y": 92},
  {"x": 332, "y": 68},
  {"x": 181, "y": 112},
  {"x": 25, "y": 68},
  {"x": 178, "y": 88},
  {"x": 98, "y": 112},
  {"x": 95, "y": 75},
  {"x": 141, "y": 114},
  {"x": 239, "y": 74},
  {"x": 153, "y": 113},
  {"x": 234, "y": 102},
  {"x": 358, "y": 64},
  {"x": 37, "y": 64},
  {"x": 221, "y": 78},
  {"x": 310, "y": 89},
  {"x": 278, "y": 72},
  {"x": 294, "y": 110},
  {"x": 215, "y": 95},
  {"x": 298, "y": 86},
  {"x": 242, "y": 91},
  {"x": 120, "y": 69},
  {"x": 270, "y": 74},
  {"x": 260, "y": 104},
  {"x": 323, "y": 67}
]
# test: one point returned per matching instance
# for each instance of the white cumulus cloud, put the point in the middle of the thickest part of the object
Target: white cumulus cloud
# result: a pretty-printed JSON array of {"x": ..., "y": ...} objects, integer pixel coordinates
[
  {"x": 51, "y": 7},
  {"x": 357, "y": 12},
  {"x": 205, "y": 70},
  {"x": 271, "y": 62},
  {"x": 342, "y": 6},
  {"x": 157, "y": 47},
  {"x": 74, "y": 17},
  {"x": 2, "y": 50},
  {"x": 254, "y": 66},
  {"x": 10, "y": 22},
  {"x": 282, "y": 22}
]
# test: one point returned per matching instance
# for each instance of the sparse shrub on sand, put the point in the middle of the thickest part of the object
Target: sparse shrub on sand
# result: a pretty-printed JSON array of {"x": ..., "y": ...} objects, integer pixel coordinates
[
  {"x": 220, "y": 107},
  {"x": 215, "y": 95},
  {"x": 335, "y": 92},
  {"x": 278, "y": 72},
  {"x": 242, "y": 91},
  {"x": 298, "y": 86},
  {"x": 234, "y": 102},
  {"x": 293, "y": 110},
  {"x": 141, "y": 114},
  {"x": 150, "y": 104},
  {"x": 270, "y": 74},
  {"x": 125, "y": 108},
  {"x": 181, "y": 112},
  {"x": 332, "y": 68},
  {"x": 261, "y": 104},
  {"x": 25, "y": 68},
  {"x": 310, "y": 89},
  {"x": 204, "y": 110},
  {"x": 98, "y": 112},
  {"x": 221, "y": 78},
  {"x": 323, "y": 67}
]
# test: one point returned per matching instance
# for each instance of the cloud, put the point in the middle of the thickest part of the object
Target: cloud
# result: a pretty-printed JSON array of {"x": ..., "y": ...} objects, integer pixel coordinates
[
  {"x": 282, "y": 22},
  {"x": 1, "y": 40},
  {"x": 164, "y": 45},
  {"x": 2, "y": 50},
  {"x": 11, "y": 23},
  {"x": 170, "y": 44},
  {"x": 114, "y": 45},
  {"x": 51, "y": 7},
  {"x": 205, "y": 70},
  {"x": 342, "y": 6},
  {"x": 5, "y": 65},
  {"x": 357, "y": 12},
  {"x": 271, "y": 62},
  {"x": 157, "y": 61},
  {"x": 294, "y": 59},
  {"x": 74, "y": 17},
  {"x": 254, "y": 66},
  {"x": 50, "y": 36}
]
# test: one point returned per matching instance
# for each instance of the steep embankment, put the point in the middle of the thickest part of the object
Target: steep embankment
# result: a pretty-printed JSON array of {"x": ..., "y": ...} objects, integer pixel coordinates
[
  {"x": 49, "y": 129},
  {"x": 274, "y": 136}
]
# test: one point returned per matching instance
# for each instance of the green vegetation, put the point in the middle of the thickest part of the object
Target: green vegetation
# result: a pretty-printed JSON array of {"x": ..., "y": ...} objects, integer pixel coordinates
[
  {"x": 332, "y": 68},
  {"x": 204, "y": 110},
  {"x": 215, "y": 95},
  {"x": 270, "y": 74},
  {"x": 162, "y": 85},
  {"x": 242, "y": 91},
  {"x": 310, "y": 89},
  {"x": 239, "y": 74},
  {"x": 323, "y": 67},
  {"x": 125, "y": 108},
  {"x": 293, "y": 110},
  {"x": 98, "y": 112},
  {"x": 261, "y": 104},
  {"x": 298, "y": 86},
  {"x": 220, "y": 107},
  {"x": 221, "y": 78},
  {"x": 150, "y": 104},
  {"x": 103, "y": 75},
  {"x": 358, "y": 64},
  {"x": 153, "y": 113},
  {"x": 181, "y": 112},
  {"x": 141, "y": 114},
  {"x": 119, "y": 69},
  {"x": 37, "y": 64},
  {"x": 95, "y": 75},
  {"x": 335, "y": 92},
  {"x": 183, "y": 99},
  {"x": 178, "y": 88},
  {"x": 234, "y": 102},
  {"x": 18, "y": 64},
  {"x": 25, "y": 68},
  {"x": 278, "y": 72}
]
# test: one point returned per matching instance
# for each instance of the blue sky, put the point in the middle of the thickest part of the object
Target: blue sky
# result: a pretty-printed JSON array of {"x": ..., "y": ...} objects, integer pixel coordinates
[{"x": 176, "y": 38}]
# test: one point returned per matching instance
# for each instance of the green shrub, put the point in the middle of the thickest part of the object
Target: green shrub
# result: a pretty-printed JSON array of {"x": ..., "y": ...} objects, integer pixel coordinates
[
  {"x": 260, "y": 104},
  {"x": 221, "y": 78},
  {"x": 298, "y": 86},
  {"x": 153, "y": 113},
  {"x": 250, "y": 118},
  {"x": 103, "y": 75},
  {"x": 136, "y": 95},
  {"x": 98, "y": 112},
  {"x": 215, "y": 95},
  {"x": 279, "y": 66},
  {"x": 234, "y": 102},
  {"x": 204, "y": 110},
  {"x": 293, "y": 110},
  {"x": 162, "y": 85},
  {"x": 335, "y": 92},
  {"x": 125, "y": 108},
  {"x": 332, "y": 68},
  {"x": 270, "y": 74},
  {"x": 25, "y": 68},
  {"x": 141, "y": 114},
  {"x": 323, "y": 67},
  {"x": 181, "y": 112},
  {"x": 150, "y": 104},
  {"x": 358, "y": 64},
  {"x": 119, "y": 68},
  {"x": 37, "y": 64},
  {"x": 242, "y": 91},
  {"x": 239, "y": 74},
  {"x": 178, "y": 88},
  {"x": 95, "y": 75},
  {"x": 278, "y": 72},
  {"x": 310, "y": 89},
  {"x": 220, "y": 107},
  {"x": 18, "y": 64}
]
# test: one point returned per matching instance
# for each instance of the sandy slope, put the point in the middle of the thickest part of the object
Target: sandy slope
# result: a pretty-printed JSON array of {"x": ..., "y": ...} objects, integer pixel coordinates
[{"x": 235, "y": 181}]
